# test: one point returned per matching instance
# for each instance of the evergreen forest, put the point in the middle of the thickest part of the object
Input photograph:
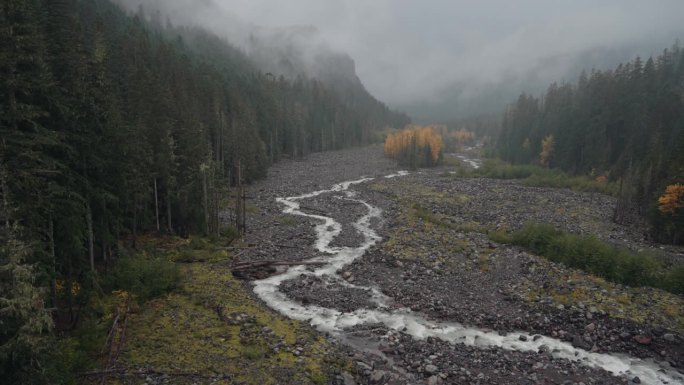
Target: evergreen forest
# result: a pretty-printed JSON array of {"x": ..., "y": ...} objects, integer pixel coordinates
[
  {"x": 625, "y": 125},
  {"x": 113, "y": 125}
]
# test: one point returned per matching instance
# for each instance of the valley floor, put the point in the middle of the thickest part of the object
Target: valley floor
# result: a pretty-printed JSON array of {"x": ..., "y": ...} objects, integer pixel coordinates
[{"x": 435, "y": 259}]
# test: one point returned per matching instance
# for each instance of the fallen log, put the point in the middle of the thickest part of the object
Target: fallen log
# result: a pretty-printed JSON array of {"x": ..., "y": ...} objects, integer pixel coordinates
[
  {"x": 247, "y": 265},
  {"x": 263, "y": 269}
]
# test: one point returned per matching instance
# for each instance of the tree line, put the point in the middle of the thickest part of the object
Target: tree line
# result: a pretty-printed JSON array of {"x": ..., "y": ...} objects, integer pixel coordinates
[
  {"x": 112, "y": 125},
  {"x": 625, "y": 124}
]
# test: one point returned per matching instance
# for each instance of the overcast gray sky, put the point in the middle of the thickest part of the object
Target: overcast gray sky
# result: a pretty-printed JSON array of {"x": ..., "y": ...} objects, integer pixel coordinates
[
  {"x": 412, "y": 51},
  {"x": 407, "y": 49}
]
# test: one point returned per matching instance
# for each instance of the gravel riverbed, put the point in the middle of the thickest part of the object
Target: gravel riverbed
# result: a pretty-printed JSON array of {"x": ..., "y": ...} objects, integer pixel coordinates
[{"x": 454, "y": 273}]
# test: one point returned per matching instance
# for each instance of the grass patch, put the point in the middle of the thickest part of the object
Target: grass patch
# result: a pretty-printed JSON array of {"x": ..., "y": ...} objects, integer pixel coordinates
[
  {"x": 252, "y": 209},
  {"x": 576, "y": 183},
  {"x": 419, "y": 212},
  {"x": 536, "y": 176},
  {"x": 200, "y": 250},
  {"x": 191, "y": 330},
  {"x": 483, "y": 262},
  {"x": 254, "y": 352},
  {"x": 594, "y": 256},
  {"x": 287, "y": 220}
]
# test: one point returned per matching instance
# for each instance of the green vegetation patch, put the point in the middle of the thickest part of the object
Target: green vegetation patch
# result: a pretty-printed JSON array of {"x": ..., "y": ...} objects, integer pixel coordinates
[
  {"x": 213, "y": 326},
  {"x": 536, "y": 176},
  {"x": 641, "y": 305},
  {"x": 596, "y": 257},
  {"x": 287, "y": 220}
]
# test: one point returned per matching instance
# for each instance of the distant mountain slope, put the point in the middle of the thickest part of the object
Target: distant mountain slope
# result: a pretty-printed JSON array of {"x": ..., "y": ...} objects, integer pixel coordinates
[{"x": 291, "y": 52}]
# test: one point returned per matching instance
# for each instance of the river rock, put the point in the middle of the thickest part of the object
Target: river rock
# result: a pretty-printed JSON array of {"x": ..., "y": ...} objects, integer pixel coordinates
[
  {"x": 644, "y": 340},
  {"x": 348, "y": 379},
  {"x": 579, "y": 342},
  {"x": 377, "y": 376},
  {"x": 431, "y": 369}
]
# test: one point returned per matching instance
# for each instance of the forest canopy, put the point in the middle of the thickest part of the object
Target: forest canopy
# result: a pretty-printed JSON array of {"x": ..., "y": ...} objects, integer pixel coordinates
[
  {"x": 113, "y": 125},
  {"x": 625, "y": 124}
]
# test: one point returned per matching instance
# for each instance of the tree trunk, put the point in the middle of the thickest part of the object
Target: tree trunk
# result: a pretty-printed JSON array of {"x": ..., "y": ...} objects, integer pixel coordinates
[
  {"x": 156, "y": 203},
  {"x": 169, "y": 222},
  {"x": 91, "y": 247},
  {"x": 239, "y": 205},
  {"x": 135, "y": 221},
  {"x": 206, "y": 202},
  {"x": 53, "y": 283}
]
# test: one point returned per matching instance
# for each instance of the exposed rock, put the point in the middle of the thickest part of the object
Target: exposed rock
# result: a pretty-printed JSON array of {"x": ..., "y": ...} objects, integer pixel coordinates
[
  {"x": 644, "y": 340},
  {"x": 377, "y": 376},
  {"x": 431, "y": 369}
]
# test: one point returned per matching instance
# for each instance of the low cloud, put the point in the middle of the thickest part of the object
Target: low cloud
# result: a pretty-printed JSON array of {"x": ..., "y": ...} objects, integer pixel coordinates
[{"x": 410, "y": 52}]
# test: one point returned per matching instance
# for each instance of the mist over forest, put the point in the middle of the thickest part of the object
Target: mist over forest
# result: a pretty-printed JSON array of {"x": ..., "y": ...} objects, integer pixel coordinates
[
  {"x": 341, "y": 192},
  {"x": 439, "y": 61}
]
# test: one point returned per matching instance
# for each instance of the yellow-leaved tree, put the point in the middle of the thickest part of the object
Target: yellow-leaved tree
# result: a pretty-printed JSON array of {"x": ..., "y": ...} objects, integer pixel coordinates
[
  {"x": 672, "y": 200},
  {"x": 548, "y": 147},
  {"x": 415, "y": 146},
  {"x": 461, "y": 137}
]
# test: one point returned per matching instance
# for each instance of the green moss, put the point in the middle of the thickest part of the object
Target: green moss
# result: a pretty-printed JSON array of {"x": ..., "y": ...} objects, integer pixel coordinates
[
  {"x": 252, "y": 209},
  {"x": 636, "y": 304},
  {"x": 190, "y": 331},
  {"x": 287, "y": 220}
]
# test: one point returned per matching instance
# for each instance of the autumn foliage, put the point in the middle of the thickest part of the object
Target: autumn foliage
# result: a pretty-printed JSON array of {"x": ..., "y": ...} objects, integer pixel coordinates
[
  {"x": 672, "y": 200},
  {"x": 461, "y": 137},
  {"x": 415, "y": 146},
  {"x": 548, "y": 147}
]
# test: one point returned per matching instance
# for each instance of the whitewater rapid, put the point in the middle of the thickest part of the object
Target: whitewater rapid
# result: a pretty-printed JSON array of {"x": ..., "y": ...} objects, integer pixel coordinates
[{"x": 336, "y": 322}]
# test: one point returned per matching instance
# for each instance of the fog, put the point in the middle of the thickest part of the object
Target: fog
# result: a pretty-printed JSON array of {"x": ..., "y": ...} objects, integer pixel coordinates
[{"x": 434, "y": 58}]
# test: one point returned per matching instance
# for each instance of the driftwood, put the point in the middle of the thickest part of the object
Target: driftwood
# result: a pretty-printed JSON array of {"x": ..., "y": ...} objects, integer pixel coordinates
[
  {"x": 125, "y": 371},
  {"x": 263, "y": 269},
  {"x": 115, "y": 341}
]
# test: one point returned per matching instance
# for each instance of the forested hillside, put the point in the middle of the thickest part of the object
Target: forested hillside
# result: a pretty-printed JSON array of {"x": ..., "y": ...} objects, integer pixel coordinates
[
  {"x": 112, "y": 125},
  {"x": 626, "y": 125}
]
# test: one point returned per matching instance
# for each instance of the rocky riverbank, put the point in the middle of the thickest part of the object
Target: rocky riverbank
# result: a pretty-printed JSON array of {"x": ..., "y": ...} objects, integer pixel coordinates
[{"x": 435, "y": 259}]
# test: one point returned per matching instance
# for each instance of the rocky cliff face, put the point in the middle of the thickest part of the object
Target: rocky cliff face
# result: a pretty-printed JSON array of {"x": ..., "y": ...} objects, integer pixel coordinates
[{"x": 301, "y": 51}]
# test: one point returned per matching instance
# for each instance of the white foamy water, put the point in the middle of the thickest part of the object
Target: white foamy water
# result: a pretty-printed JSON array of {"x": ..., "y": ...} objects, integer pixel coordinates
[
  {"x": 399, "y": 173},
  {"x": 335, "y": 322},
  {"x": 474, "y": 163}
]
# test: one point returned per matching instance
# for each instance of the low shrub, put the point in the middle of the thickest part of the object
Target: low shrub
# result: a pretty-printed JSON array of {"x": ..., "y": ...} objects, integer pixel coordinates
[
  {"x": 596, "y": 257},
  {"x": 536, "y": 176},
  {"x": 146, "y": 278}
]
